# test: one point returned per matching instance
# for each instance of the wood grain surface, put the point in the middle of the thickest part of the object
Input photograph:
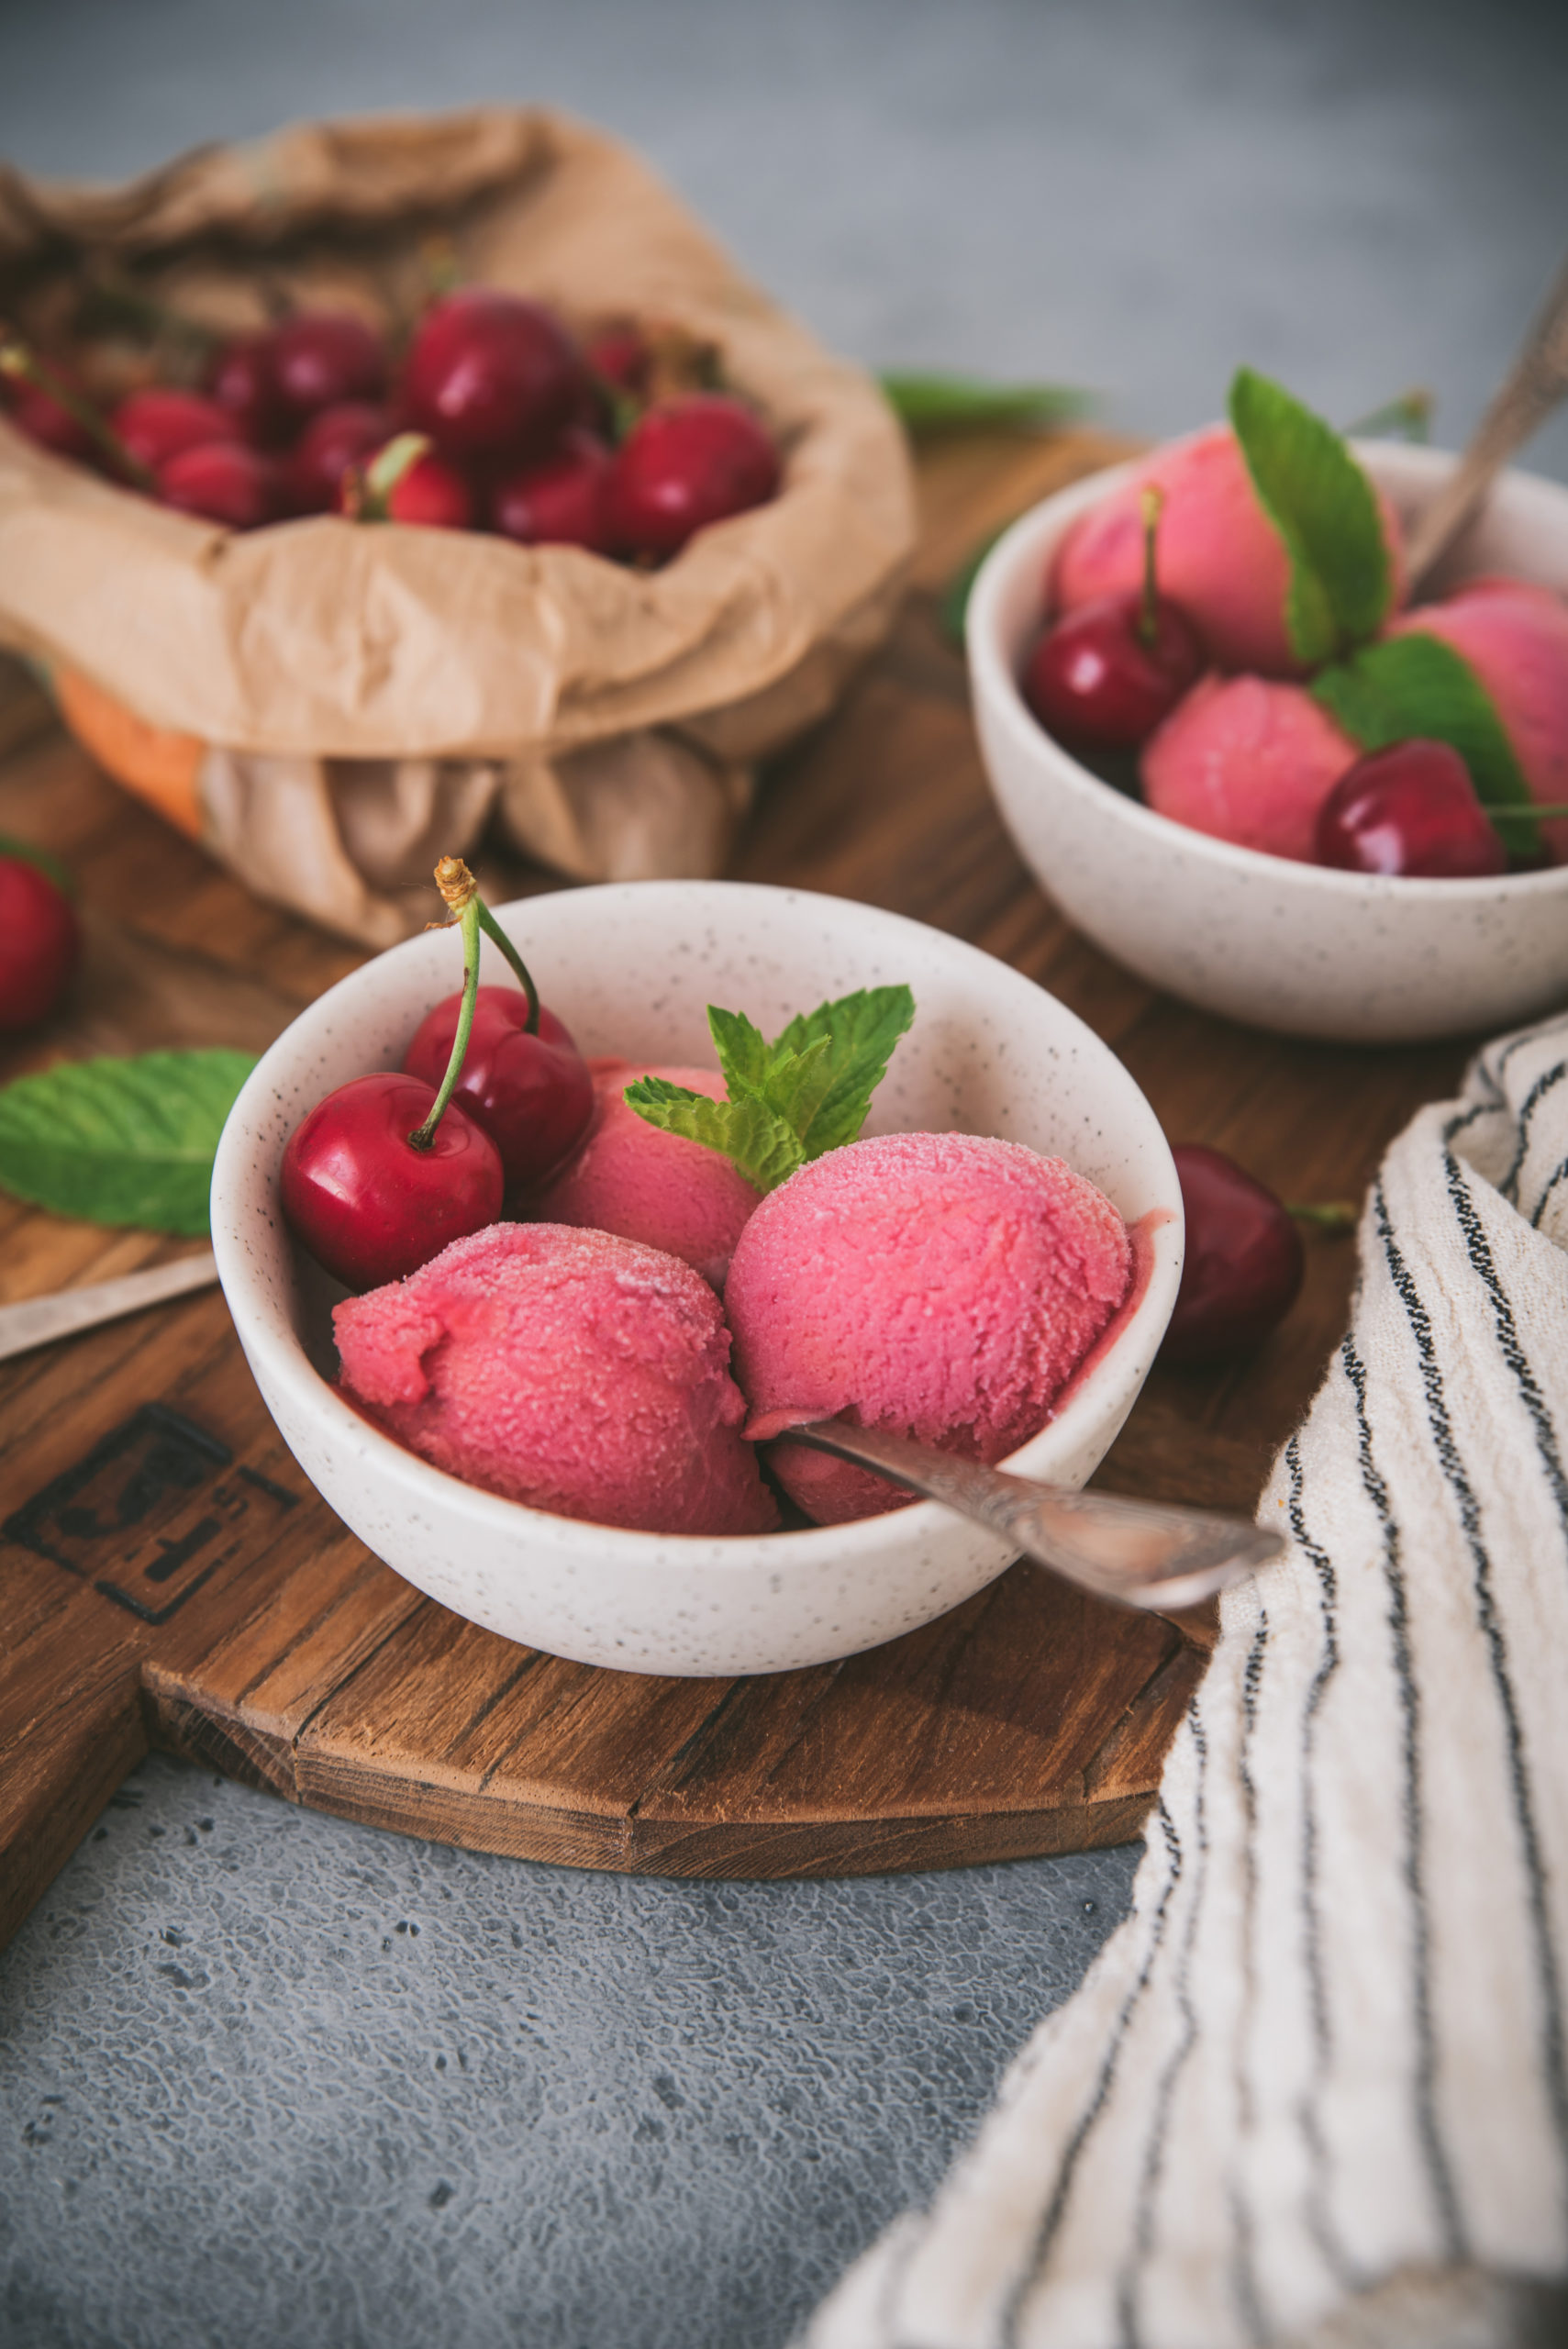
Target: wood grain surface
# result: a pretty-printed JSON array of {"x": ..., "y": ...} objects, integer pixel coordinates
[{"x": 168, "y": 1578}]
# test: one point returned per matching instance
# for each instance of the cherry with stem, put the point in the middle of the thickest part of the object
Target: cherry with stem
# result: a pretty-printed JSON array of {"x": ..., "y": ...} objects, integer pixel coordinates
[{"x": 19, "y": 363}]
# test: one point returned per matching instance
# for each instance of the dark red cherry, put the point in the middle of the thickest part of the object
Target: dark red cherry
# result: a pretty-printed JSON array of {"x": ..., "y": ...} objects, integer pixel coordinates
[
  {"x": 621, "y": 357},
  {"x": 490, "y": 375},
  {"x": 223, "y": 481},
  {"x": 321, "y": 358},
  {"x": 1105, "y": 675},
  {"x": 156, "y": 424},
  {"x": 39, "y": 943},
  {"x": 684, "y": 464},
  {"x": 243, "y": 380},
  {"x": 559, "y": 502},
  {"x": 1243, "y": 1262},
  {"x": 1410, "y": 809},
  {"x": 51, "y": 425},
  {"x": 368, "y": 1204},
  {"x": 333, "y": 441},
  {"x": 429, "y": 492},
  {"x": 532, "y": 1093}
]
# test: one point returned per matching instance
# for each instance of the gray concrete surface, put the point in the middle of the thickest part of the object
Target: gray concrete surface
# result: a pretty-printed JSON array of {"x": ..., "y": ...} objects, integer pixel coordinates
[{"x": 237, "y": 2102}]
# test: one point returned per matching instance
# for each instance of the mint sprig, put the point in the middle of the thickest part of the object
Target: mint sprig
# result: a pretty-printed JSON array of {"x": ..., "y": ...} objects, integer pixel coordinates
[
  {"x": 1418, "y": 684},
  {"x": 1322, "y": 505},
  {"x": 121, "y": 1141},
  {"x": 806, "y": 1093}
]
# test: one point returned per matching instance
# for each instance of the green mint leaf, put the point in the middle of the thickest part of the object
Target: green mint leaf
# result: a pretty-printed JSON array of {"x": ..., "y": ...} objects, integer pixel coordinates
[
  {"x": 121, "y": 1140},
  {"x": 1321, "y": 504},
  {"x": 860, "y": 1031},
  {"x": 1418, "y": 684},
  {"x": 937, "y": 403},
  {"x": 764, "y": 1148},
  {"x": 797, "y": 1084},
  {"x": 27, "y": 853},
  {"x": 742, "y": 1050}
]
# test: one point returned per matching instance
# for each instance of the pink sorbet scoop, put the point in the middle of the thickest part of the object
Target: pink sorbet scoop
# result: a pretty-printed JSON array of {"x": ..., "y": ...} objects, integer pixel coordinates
[
  {"x": 566, "y": 1369},
  {"x": 1249, "y": 761},
  {"x": 632, "y": 1178},
  {"x": 942, "y": 1286}
]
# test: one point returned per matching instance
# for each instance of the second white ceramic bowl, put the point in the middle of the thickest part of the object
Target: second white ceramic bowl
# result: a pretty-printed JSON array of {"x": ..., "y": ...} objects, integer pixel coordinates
[
  {"x": 1295, "y": 947},
  {"x": 631, "y": 969}
]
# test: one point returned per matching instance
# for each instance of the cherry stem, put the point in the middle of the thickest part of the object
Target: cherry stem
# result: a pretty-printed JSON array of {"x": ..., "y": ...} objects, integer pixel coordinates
[
  {"x": 368, "y": 488},
  {"x": 1149, "y": 617},
  {"x": 493, "y": 931},
  {"x": 467, "y": 922},
  {"x": 23, "y": 365},
  {"x": 1328, "y": 1215}
]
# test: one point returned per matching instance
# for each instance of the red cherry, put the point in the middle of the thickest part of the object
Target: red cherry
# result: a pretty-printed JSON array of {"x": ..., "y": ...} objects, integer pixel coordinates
[
  {"x": 1243, "y": 1262},
  {"x": 223, "y": 481},
  {"x": 432, "y": 493},
  {"x": 156, "y": 424},
  {"x": 533, "y": 1094},
  {"x": 1409, "y": 809},
  {"x": 333, "y": 441},
  {"x": 242, "y": 379},
  {"x": 368, "y": 1204},
  {"x": 560, "y": 502},
  {"x": 52, "y": 427},
  {"x": 619, "y": 356},
  {"x": 1097, "y": 677},
  {"x": 490, "y": 375},
  {"x": 322, "y": 358},
  {"x": 39, "y": 943},
  {"x": 686, "y": 463}
]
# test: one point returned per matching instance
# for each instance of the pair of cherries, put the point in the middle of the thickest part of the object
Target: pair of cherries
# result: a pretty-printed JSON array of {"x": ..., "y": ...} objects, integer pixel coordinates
[
  {"x": 492, "y": 1095},
  {"x": 40, "y": 942}
]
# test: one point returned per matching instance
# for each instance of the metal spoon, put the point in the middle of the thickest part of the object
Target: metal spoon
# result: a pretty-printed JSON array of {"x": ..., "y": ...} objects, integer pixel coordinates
[
  {"x": 1532, "y": 387},
  {"x": 1143, "y": 1553}
]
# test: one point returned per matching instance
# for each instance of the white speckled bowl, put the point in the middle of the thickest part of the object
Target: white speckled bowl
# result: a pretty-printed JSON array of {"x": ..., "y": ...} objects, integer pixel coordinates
[
  {"x": 1296, "y": 947},
  {"x": 631, "y": 969}
]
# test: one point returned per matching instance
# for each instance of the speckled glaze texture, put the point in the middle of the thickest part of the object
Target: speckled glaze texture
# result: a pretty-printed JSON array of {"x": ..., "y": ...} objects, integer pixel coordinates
[
  {"x": 1295, "y": 947},
  {"x": 632, "y": 968}
]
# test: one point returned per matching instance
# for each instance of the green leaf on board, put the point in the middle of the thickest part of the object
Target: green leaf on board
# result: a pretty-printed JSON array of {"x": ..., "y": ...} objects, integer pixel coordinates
[
  {"x": 1416, "y": 684},
  {"x": 952, "y": 604},
  {"x": 1322, "y": 505},
  {"x": 121, "y": 1141},
  {"x": 759, "y": 1142},
  {"x": 27, "y": 853},
  {"x": 788, "y": 1101},
  {"x": 938, "y": 403}
]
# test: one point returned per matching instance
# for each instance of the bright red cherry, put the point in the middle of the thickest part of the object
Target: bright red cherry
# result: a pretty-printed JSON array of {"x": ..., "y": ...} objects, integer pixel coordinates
[
  {"x": 156, "y": 424},
  {"x": 560, "y": 502},
  {"x": 1103, "y": 676},
  {"x": 321, "y": 358},
  {"x": 364, "y": 1201},
  {"x": 686, "y": 463},
  {"x": 243, "y": 380},
  {"x": 39, "y": 943},
  {"x": 1409, "y": 809},
  {"x": 223, "y": 481},
  {"x": 427, "y": 491},
  {"x": 490, "y": 375},
  {"x": 333, "y": 441},
  {"x": 533, "y": 1094},
  {"x": 1243, "y": 1262}
]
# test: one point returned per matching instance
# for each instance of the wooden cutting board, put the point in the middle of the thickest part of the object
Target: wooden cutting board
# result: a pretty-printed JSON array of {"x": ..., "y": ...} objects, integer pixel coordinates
[{"x": 168, "y": 1578}]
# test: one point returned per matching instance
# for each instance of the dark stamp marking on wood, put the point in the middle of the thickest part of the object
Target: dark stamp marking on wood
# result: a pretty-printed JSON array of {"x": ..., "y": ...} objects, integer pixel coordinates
[{"x": 149, "y": 1514}]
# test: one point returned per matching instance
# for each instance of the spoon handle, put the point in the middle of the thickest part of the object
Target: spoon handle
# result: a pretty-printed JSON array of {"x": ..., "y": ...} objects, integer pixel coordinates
[
  {"x": 1143, "y": 1553},
  {"x": 1532, "y": 387}
]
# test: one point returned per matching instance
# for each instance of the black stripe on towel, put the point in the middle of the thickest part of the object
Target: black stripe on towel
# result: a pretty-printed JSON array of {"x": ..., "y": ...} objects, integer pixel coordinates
[
  {"x": 1547, "y": 1971},
  {"x": 1317, "y": 2219},
  {"x": 1532, "y": 1100},
  {"x": 1055, "y": 2210},
  {"x": 1243, "y": 2267},
  {"x": 1553, "y": 1180},
  {"x": 1427, "y": 2133},
  {"x": 1129, "y": 2278}
]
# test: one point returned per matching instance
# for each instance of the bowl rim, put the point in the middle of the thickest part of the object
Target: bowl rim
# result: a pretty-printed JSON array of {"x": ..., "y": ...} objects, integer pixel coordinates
[
  {"x": 286, "y": 1361},
  {"x": 1032, "y": 539}
]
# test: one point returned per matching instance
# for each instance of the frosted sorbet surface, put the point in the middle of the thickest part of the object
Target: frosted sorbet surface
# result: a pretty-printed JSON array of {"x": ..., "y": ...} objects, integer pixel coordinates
[
  {"x": 569, "y": 1370},
  {"x": 944, "y": 1286},
  {"x": 1249, "y": 761}
]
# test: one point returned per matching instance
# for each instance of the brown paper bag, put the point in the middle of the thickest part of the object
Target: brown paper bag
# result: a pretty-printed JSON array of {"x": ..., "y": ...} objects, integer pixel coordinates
[{"x": 329, "y": 706}]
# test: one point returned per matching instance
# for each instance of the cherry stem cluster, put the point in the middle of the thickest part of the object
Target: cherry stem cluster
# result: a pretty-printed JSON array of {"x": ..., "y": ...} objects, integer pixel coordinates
[
  {"x": 23, "y": 365},
  {"x": 457, "y": 886}
]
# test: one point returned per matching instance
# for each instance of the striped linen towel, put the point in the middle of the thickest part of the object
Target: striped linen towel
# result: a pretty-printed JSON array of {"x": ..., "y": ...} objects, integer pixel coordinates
[{"x": 1315, "y": 2087}]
